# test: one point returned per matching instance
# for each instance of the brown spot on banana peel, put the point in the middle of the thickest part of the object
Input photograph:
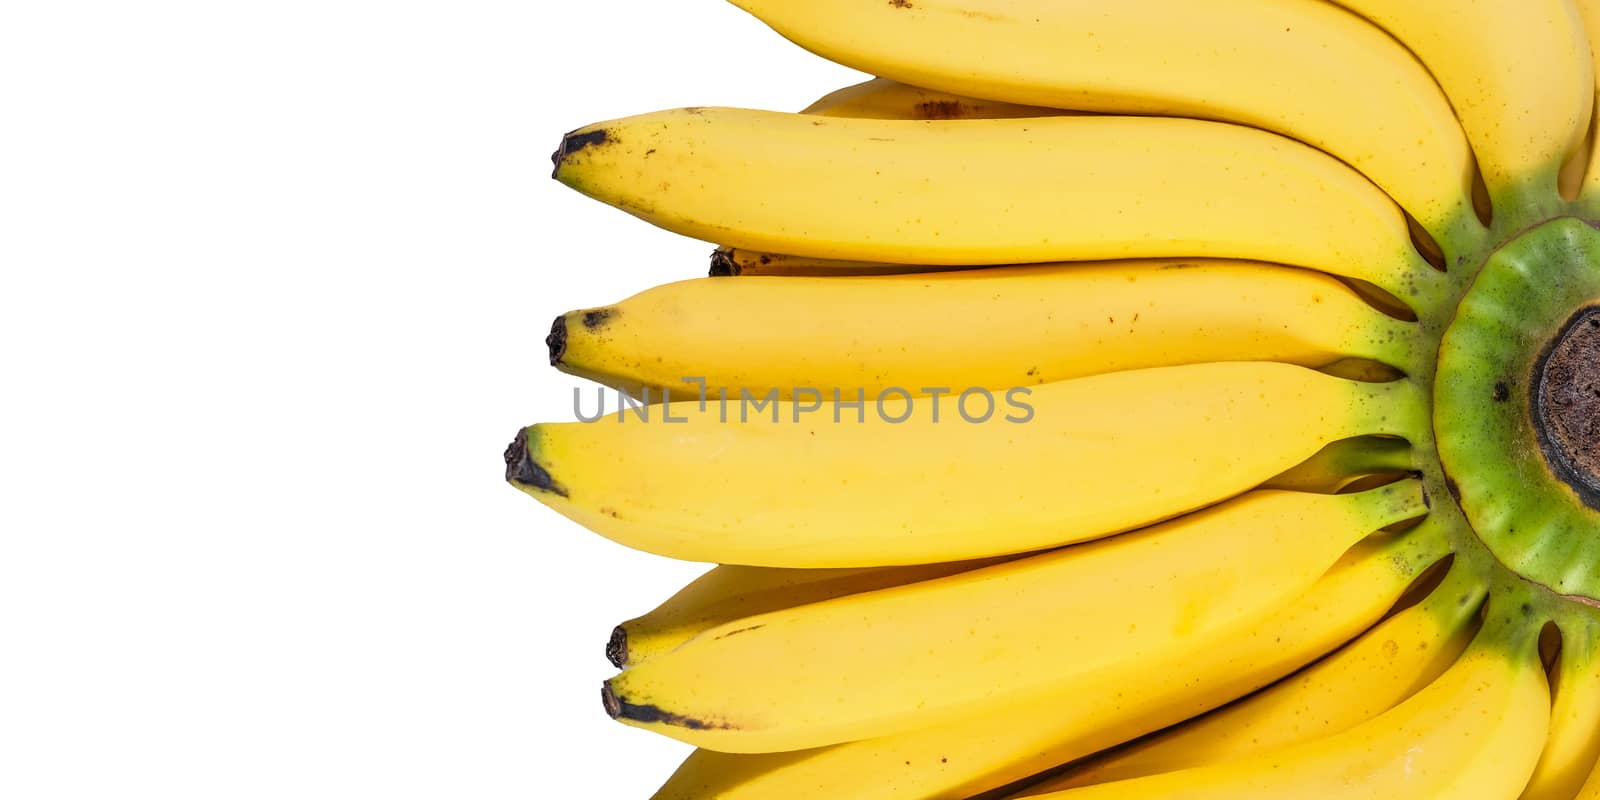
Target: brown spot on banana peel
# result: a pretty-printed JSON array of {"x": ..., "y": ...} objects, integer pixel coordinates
[
  {"x": 738, "y": 631},
  {"x": 617, "y": 708},
  {"x": 577, "y": 140},
  {"x": 941, "y": 109},
  {"x": 523, "y": 471},
  {"x": 597, "y": 317},
  {"x": 617, "y": 647},
  {"x": 557, "y": 340}
]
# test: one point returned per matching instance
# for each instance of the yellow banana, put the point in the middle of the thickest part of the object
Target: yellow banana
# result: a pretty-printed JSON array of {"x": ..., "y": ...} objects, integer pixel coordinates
[
  {"x": 728, "y": 261},
  {"x": 1590, "y": 790},
  {"x": 908, "y": 482},
  {"x": 881, "y": 98},
  {"x": 1018, "y": 326},
  {"x": 1367, "y": 677},
  {"x": 961, "y": 192},
  {"x": 1474, "y": 733},
  {"x": 1591, "y": 787},
  {"x": 1343, "y": 462},
  {"x": 1574, "y": 743},
  {"x": 884, "y": 662},
  {"x": 1589, "y": 12},
  {"x": 727, "y": 593},
  {"x": 1529, "y": 111},
  {"x": 1006, "y": 743},
  {"x": 874, "y": 99},
  {"x": 1298, "y": 67}
]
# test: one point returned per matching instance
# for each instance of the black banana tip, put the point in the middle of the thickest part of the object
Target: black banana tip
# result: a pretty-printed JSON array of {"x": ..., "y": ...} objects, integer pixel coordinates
[
  {"x": 522, "y": 470},
  {"x": 557, "y": 340},
  {"x": 617, "y": 648},
  {"x": 609, "y": 699},
  {"x": 575, "y": 141},
  {"x": 722, "y": 264}
]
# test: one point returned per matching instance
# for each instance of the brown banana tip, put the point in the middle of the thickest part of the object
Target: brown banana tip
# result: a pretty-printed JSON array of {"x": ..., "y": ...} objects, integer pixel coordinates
[
  {"x": 609, "y": 699},
  {"x": 722, "y": 264},
  {"x": 617, "y": 648},
  {"x": 522, "y": 470},
  {"x": 557, "y": 340},
  {"x": 575, "y": 141}
]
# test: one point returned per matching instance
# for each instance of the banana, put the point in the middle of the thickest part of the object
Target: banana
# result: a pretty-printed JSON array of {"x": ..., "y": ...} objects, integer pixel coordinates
[
  {"x": 880, "y": 663},
  {"x": 1019, "y": 326},
  {"x": 880, "y": 98},
  {"x": 728, "y": 593},
  {"x": 967, "y": 192},
  {"x": 1474, "y": 733},
  {"x": 1367, "y": 677},
  {"x": 1003, "y": 744},
  {"x": 1528, "y": 112},
  {"x": 1574, "y": 742},
  {"x": 729, "y": 261},
  {"x": 1297, "y": 67},
  {"x": 1589, "y": 12},
  {"x": 913, "y": 483},
  {"x": 1343, "y": 462},
  {"x": 874, "y": 99}
]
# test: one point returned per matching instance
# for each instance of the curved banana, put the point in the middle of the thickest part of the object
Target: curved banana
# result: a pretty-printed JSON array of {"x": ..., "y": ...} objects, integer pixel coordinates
[
  {"x": 880, "y": 663},
  {"x": 881, "y": 98},
  {"x": 1591, "y": 787},
  {"x": 1529, "y": 112},
  {"x": 1018, "y": 326},
  {"x": 1573, "y": 746},
  {"x": 961, "y": 192},
  {"x": 1589, "y": 12},
  {"x": 878, "y": 98},
  {"x": 1298, "y": 67},
  {"x": 1343, "y": 462},
  {"x": 728, "y": 593},
  {"x": 1590, "y": 790},
  {"x": 1474, "y": 733},
  {"x": 1003, "y": 744},
  {"x": 730, "y": 261},
  {"x": 1367, "y": 677},
  {"x": 902, "y": 480}
]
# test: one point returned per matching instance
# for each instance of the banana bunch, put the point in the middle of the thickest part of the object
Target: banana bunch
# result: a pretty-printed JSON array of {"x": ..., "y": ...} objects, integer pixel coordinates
[{"x": 1150, "y": 399}]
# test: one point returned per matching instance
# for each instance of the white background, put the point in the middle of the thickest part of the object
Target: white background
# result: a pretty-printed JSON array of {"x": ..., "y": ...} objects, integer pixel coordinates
[{"x": 274, "y": 279}]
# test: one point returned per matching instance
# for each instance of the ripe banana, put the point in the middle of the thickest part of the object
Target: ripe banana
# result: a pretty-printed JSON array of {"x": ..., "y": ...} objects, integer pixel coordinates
[
  {"x": 1298, "y": 67},
  {"x": 961, "y": 192},
  {"x": 1474, "y": 733},
  {"x": 1589, "y": 12},
  {"x": 1591, "y": 787},
  {"x": 818, "y": 489},
  {"x": 728, "y": 593},
  {"x": 874, "y": 99},
  {"x": 1003, "y": 744},
  {"x": 880, "y": 98},
  {"x": 1020, "y": 326},
  {"x": 1574, "y": 742},
  {"x": 1526, "y": 114},
  {"x": 1367, "y": 677},
  {"x": 939, "y": 650}
]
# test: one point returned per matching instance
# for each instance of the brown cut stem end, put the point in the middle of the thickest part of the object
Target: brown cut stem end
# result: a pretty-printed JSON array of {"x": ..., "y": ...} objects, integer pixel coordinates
[
  {"x": 617, "y": 648},
  {"x": 557, "y": 340}
]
